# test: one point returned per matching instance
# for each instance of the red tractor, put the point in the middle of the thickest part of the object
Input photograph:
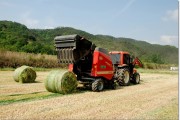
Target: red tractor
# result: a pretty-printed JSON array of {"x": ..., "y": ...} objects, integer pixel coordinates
[{"x": 94, "y": 66}]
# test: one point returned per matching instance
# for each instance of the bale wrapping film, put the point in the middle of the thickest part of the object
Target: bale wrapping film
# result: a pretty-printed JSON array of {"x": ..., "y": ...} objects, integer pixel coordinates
[
  {"x": 24, "y": 74},
  {"x": 61, "y": 82},
  {"x": 50, "y": 81}
]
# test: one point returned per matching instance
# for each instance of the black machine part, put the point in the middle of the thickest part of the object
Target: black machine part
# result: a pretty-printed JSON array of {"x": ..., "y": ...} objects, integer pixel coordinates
[{"x": 72, "y": 48}]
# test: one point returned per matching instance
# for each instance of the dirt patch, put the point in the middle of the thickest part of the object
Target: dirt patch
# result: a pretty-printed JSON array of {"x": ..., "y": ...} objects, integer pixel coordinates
[{"x": 155, "y": 92}]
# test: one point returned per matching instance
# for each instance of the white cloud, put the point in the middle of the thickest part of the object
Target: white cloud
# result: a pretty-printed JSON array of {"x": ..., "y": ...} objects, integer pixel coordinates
[
  {"x": 169, "y": 39},
  {"x": 171, "y": 15},
  {"x": 48, "y": 27},
  {"x": 28, "y": 20},
  {"x": 31, "y": 23},
  {"x": 49, "y": 23}
]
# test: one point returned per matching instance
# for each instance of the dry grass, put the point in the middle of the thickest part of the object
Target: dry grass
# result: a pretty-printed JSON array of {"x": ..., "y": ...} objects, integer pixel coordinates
[
  {"x": 157, "y": 66},
  {"x": 166, "y": 112},
  {"x": 17, "y": 59},
  {"x": 155, "y": 97}
]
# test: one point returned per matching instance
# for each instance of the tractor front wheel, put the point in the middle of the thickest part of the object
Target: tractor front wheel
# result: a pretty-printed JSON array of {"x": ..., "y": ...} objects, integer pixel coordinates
[
  {"x": 98, "y": 85},
  {"x": 136, "y": 78}
]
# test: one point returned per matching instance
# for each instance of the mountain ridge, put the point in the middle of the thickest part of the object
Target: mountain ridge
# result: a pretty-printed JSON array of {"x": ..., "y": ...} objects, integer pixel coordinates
[{"x": 17, "y": 37}]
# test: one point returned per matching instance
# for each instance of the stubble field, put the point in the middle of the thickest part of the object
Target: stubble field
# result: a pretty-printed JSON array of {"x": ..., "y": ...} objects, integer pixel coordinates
[{"x": 155, "y": 98}]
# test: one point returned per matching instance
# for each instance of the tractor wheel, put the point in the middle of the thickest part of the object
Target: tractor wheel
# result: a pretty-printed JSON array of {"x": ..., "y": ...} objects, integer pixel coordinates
[
  {"x": 124, "y": 77},
  {"x": 136, "y": 78},
  {"x": 98, "y": 85}
]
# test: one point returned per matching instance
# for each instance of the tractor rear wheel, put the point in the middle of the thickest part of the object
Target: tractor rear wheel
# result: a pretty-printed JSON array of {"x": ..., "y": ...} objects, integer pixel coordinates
[
  {"x": 98, "y": 85},
  {"x": 136, "y": 78},
  {"x": 124, "y": 77}
]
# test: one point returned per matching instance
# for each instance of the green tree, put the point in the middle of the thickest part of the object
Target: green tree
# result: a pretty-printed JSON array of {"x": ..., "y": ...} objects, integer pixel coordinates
[{"x": 156, "y": 58}]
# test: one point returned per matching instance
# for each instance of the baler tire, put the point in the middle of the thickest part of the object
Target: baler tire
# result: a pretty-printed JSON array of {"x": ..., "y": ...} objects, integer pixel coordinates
[{"x": 98, "y": 85}]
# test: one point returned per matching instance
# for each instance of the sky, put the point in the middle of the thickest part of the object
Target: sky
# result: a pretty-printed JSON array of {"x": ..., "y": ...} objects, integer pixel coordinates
[{"x": 154, "y": 21}]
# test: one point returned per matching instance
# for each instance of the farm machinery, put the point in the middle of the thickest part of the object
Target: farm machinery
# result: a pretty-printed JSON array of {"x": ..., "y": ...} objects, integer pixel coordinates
[{"x": 95, "y": 67}]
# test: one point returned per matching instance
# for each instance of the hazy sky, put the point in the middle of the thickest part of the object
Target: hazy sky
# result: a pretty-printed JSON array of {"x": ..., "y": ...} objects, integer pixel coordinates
[{"x": 154, "y": 21}]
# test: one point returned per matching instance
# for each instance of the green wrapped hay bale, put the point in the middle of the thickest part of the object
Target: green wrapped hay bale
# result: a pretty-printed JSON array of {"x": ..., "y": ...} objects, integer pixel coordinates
[
  {"x": 66, "y": 83},
  {"x": 61, "y": 82},
  {"x": 24, "y": 74},
  {"x": 50, "y": 81}
]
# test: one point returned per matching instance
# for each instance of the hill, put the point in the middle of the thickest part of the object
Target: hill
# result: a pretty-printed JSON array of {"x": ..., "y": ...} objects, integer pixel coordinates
[{"x": 17, "y": 37}]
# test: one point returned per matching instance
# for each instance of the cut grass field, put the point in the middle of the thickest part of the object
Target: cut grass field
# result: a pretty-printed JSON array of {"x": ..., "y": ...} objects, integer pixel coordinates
[
  {"x": 155, "y": 98},
  {"x": 166, "y": 112}
]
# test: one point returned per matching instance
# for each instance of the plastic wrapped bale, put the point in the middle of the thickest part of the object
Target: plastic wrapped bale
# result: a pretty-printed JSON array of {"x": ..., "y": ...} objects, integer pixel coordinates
[
  {"x": 50, "y": 81},
  {"x": 61, "y": 82},
  {"x": 24, "y": 74}
]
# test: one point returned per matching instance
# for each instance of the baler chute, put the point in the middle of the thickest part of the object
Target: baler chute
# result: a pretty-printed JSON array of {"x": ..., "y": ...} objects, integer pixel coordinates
[{"x": 71, "y": 48}]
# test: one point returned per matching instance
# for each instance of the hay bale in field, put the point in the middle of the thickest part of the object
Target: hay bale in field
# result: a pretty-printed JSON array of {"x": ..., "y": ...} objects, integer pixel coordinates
[
  {"x": 50, "y": 81},
  {"x": 24, "y": 74},
  {"x": 66, "y": 83},
  {"x": 61, "y": 82}
]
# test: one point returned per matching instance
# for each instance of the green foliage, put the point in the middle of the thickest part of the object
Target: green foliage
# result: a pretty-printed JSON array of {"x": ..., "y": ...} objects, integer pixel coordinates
[
  {"x": 17, "y": 37},
  {"x": 155, "y": 58}
]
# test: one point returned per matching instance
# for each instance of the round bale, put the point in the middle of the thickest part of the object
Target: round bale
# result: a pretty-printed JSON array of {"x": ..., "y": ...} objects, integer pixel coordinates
[
  {"x": 50, "y": 81},
  {"x": 24, "y": 74},
  {"x": 63, "y": 82}
]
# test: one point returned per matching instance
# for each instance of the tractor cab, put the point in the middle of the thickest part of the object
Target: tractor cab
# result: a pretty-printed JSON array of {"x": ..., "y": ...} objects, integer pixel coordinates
[
  {"x": 124, "y": 63},
  {"x": 120, "y": 58}
]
